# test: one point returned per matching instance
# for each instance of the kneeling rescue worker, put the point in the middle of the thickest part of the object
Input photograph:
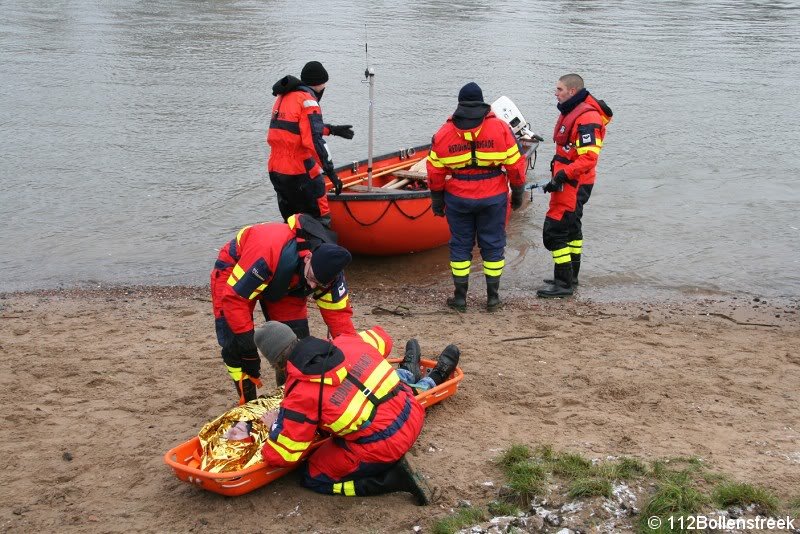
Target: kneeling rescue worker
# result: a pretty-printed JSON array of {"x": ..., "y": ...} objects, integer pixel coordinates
[
  {"x": 345, "y": 388},
  {"x": 474, "y": 147},
  {"x": 277, "y": 265}
]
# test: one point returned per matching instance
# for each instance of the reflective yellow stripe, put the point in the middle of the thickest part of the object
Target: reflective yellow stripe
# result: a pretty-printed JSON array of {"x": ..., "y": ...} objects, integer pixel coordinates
[
  {"x": 460, "y": 268},
  {"x": 235, "y": 372},
  {"x": 433, "y": 159},
  {"x": 494, "y": 156},
  {"x": 375, "y": 340},
  {"x": 348, "y": 488},
  {"x": 257, "y": 291},
  {"x": 493, "y": 268},
  {"x": 292, "y": 221},
  {"x": 290, "y": 457},
  {"x": 512, "y": 159},
  {"x": 341, "y": 373},
  {"x": 327, "y": 304},
  {"x": 585, "y": 149},
  {"x": 291, "y": 444},
  {"x": 360, "y": 407},
  {"x": 575, "y": 246},
  {"x": 452, "y": 161},
  {"x": 239, "y": 235},
  {"x": 562, "y": 255},
  {"x": 237, "y": 273}
]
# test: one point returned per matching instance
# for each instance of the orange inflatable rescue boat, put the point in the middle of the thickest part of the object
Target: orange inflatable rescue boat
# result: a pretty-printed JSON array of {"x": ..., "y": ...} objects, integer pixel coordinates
[{"x": 393, "y": 215}]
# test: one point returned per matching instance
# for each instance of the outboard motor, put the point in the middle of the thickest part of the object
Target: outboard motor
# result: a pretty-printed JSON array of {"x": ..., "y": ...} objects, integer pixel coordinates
[{"x": 504, "y": 108}]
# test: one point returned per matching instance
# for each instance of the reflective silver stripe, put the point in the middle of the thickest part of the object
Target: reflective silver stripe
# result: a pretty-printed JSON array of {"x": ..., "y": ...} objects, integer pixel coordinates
[{"x": 310, "y": 103}]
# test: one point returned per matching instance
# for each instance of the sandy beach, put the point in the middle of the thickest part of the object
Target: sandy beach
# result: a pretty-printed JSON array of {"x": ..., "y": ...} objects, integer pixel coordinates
[{"x": 98, "y": 384}]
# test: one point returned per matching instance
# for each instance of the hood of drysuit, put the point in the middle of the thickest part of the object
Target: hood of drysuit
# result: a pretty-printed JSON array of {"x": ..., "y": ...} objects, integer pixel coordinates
[
  {"x": 469, "y": 115},
  {"x": 287, "y": 84},
  {"x": 311, "y": 356},
  {"x": 585, "y": 96}
]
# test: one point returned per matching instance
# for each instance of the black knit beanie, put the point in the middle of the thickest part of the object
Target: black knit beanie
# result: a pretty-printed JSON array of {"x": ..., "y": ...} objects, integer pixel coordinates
[
  {"x": 327, "y": 261},
  {"x": 470, "y": 93},
  {"x": 314, "y": 73}
]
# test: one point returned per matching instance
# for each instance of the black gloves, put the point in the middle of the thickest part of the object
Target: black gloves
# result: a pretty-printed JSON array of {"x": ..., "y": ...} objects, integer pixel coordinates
[
  {"x": 517, "y": 194},
  {"x": 345, "y": 130},
  {"x": 437, "y": 203},
  {"x": 556, "y": 183},
  {"x": 244, "y": 346},
  {"x": 337, "y": 183}
]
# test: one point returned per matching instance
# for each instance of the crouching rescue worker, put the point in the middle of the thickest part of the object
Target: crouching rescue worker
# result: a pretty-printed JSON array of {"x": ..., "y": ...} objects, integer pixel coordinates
[
  {"x": 299, "y": 158},
  {"x": 480, "y": 153},
  {"x": 277, "y": 265},
  {"x": 345, "y": 388},
  {"x": 578, "y": 135}
]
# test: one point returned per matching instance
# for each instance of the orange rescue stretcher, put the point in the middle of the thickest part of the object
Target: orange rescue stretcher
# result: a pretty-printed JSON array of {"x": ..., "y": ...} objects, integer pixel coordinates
[{"x": 185, "y": 458}]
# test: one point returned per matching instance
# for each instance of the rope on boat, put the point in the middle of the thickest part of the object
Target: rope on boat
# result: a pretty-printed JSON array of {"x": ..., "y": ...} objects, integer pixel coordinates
[{"x": 388, "y": 205}]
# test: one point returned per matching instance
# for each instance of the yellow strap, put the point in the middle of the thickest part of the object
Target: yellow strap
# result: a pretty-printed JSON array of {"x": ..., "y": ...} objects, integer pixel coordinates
[
  {"x": 375, "y": 340},
  {"x": 239, "y": 235}
]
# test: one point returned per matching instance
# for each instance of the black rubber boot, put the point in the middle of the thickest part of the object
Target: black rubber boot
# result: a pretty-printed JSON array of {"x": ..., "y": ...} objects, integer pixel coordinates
[
  {"x": 247, "y": 391},
  {"x": 445, "y": 365},
  {"x": 576, "y": 267},
  {"x": 411, "y": 359},
  {"x": 493, "y": 302},
  {"x": 401, "y": 477},
  {"x": 562, "y": 274},
  {"x": 416, "y": 484},
  {"x": 459, "y": 299}
]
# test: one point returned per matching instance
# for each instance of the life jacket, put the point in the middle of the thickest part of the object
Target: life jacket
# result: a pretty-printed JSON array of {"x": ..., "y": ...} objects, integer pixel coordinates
[
  {"x": 475, "y": 158},
  {"x": 346, "y": 388},
  {"x": 580, "y": 132}
]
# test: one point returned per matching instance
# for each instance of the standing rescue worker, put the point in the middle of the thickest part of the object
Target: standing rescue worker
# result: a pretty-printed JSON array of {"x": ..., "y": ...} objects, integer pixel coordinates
[
  {"x": 578, "y": 135},
  {"x": 299, "y": 158},
  {"x": 475, "y": 147},
  {"x": 345, "y": 388},
  {"x": 277, "y": 265}
]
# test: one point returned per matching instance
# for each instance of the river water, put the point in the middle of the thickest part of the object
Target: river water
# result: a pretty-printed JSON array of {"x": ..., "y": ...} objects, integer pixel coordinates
[{"x": 133, "y": 132}]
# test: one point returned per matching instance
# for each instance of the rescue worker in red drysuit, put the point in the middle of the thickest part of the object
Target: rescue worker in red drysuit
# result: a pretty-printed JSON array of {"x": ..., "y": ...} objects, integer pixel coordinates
[
  {"x": 475, "y": 147},
  {"x": 277, "y": 265},
  {"x": 299, "y": 158},
  {"x": 578, "y": 135},
  {"x": 344, "y": 388}
]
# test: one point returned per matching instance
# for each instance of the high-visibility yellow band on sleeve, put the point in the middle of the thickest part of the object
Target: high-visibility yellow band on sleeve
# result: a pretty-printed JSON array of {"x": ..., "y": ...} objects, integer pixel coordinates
[{"x": 328, "y": 304}]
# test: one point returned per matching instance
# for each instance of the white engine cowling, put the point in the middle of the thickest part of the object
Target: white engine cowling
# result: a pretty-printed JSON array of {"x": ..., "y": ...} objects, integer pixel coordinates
[{"x": 504, "y": 108}]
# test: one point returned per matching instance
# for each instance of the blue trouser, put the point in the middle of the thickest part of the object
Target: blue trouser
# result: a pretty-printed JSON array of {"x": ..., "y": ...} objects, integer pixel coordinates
[{"x": 483, "y": 219}]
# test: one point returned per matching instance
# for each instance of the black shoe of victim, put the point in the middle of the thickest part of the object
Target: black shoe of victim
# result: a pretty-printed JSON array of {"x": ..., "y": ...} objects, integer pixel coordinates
[
  {"x": 445, "y": 365},
  {"x": 411, "y": 360}
]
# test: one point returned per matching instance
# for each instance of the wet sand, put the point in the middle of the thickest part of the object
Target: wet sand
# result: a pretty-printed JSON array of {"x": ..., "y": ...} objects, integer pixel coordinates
[{"x": 98, "y": 384}]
